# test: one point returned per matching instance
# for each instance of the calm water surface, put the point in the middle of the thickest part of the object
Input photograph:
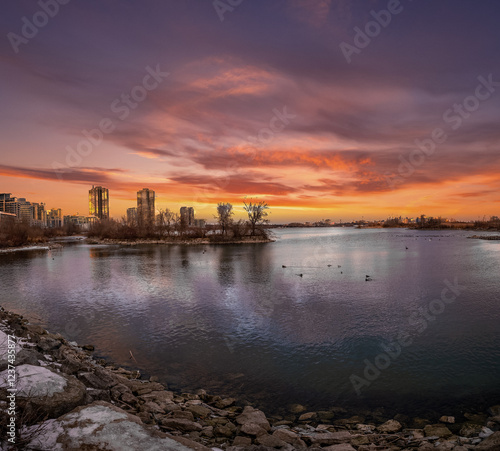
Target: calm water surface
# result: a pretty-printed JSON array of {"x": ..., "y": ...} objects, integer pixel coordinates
[{"x": 230, "y": 319}]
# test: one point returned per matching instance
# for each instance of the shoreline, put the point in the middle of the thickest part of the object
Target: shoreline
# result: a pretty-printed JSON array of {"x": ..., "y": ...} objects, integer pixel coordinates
[
  {"x": 198, "y": 420},
  {"x": 189, "y": 242}
]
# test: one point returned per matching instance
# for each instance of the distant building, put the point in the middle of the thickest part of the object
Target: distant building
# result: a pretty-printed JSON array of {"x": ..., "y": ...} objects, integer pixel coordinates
[
  {"x": 83, "y": 222},
  {"x": 145, "y": 207},
  {"x": 54, "y": 218},
  {"x": 99, "y": 202},
  {"x": 201, "y": 223},
  {"x": 132, "y": 215},
  {"x": 27, "y": 212},
  {"x": 187, "y": 216},
  {"x": 39, "y": 214}
]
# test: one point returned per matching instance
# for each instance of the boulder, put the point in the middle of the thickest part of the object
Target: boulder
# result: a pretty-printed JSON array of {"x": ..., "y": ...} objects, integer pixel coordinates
[
  {"x": 470, "y": 430},
  {"x": 199, "y": 411},
  {"x": 40, "y": 388},
  {"x": 437, "y": 430},
  {"x": 253, "y": 416},
  {"x": 102, "y": 426},
  {"x": 390, "y": 427}
]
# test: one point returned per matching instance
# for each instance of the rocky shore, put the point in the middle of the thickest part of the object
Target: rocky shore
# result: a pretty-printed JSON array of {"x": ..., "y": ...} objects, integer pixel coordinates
[
  {"x": 485, "y": 237},
  {"x": 66, "y": 399}
]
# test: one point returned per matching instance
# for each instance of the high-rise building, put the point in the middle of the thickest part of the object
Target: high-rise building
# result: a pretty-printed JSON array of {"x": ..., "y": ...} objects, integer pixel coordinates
[
  {"x": 187, "y": 216},
  {"x": 132, "y": 215},
  {"x": 145, "y": 207},
  {"x": 99, "y": 202}
]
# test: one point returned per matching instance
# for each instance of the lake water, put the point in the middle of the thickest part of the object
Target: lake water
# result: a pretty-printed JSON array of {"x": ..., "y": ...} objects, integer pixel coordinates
[{"x": 232, "y": 320}]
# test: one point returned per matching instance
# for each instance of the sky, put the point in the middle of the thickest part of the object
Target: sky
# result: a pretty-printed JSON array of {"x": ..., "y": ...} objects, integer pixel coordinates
[{"x": 331, "y": 109}]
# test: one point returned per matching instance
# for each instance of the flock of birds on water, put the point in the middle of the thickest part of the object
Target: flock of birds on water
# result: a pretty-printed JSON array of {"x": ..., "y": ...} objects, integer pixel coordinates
[{"x": 368, "y": 278}]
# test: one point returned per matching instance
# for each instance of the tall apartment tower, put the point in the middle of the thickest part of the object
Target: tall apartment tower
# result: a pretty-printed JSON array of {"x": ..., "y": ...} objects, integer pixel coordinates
[
  {"x": 145, "y": 207},
  {"x": 187, "y": 216},
  {"x": 99, "y": 202}
]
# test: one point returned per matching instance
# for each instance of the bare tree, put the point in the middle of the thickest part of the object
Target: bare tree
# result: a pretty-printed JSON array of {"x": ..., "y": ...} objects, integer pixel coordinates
[
  {"x": 224, "y": 216},
  {"x": 256, "y": 214},
  {"x": 165, "y": 220}
]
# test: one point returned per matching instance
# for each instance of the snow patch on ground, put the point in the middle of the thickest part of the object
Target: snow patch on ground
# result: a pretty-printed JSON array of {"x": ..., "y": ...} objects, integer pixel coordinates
[{"x": 34, "y": 381}]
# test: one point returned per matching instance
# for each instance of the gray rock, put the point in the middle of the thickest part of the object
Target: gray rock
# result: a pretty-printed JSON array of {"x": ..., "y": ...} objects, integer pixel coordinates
[
  {"x": 485, "y": 432},
  {"x": 100, "y": 426},
  {"x": 43, "y": 390}
]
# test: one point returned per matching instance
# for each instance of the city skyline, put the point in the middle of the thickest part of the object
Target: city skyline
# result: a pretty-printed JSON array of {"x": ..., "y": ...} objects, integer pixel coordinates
[
  {"x": 37, "y": 213},
  {"x": 322, "y": 109}
]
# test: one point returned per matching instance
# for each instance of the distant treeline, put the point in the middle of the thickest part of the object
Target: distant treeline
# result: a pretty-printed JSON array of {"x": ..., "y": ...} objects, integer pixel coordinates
[
  {"x": 20, "y": 233},
  {"x": 171, "y": 226}
]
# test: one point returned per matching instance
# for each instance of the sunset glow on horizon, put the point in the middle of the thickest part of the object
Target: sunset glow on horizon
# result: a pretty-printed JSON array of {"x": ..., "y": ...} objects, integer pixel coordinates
[{"x": 263, "y": 104}]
